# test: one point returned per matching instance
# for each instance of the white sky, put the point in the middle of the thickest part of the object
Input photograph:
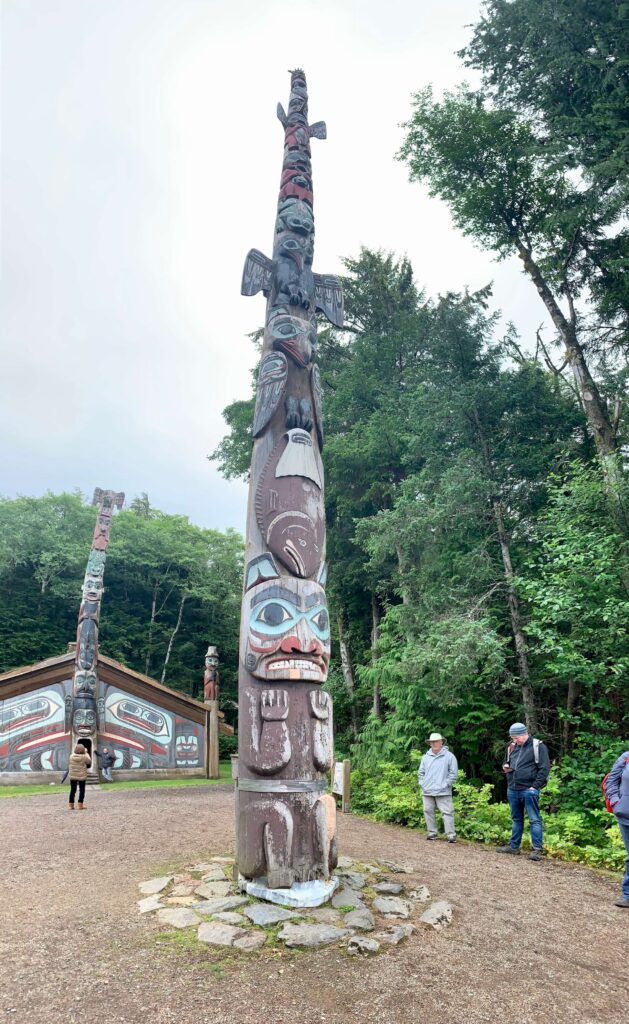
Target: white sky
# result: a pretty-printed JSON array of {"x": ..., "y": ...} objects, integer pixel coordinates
[{"x": 141, "y": 158}]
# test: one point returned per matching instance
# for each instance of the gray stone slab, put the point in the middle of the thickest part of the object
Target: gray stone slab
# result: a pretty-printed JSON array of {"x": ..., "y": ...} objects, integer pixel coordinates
[
  {"x": 182, "y": 889},
  {"x": 155, "y": 885},
  {"x": 398, "y": 869},
  {"x": 178, "y": 917},
  {"x": 209, "y": 890},
  {"x": 393, "y": 936},
  {"x": 250, "y": 942},
  {"x": 392, "y": 906},
  {"x": 311, "y": 935},
  {"x": 354, "y": 879},
  {"x": 150, "y": 903},
  {"x": 265, "y": 914},
  {"x": 215, "y": 933},
  {"x": 362, "y": 919},
  {"x": 215, "y": 874},
  {"x": 325, "y": 915},
  {"x": 388, "y": 888},
  {"x": 220, "y": 904},
  {"x": 347, "y": 897},
  {"x": 438, "y": 915},
  {"x": 420, "y": 895},
  {"x": 359, "y": 945},
  {"x": 230, "y": 917},
  {"x": 345, "y": 862}
]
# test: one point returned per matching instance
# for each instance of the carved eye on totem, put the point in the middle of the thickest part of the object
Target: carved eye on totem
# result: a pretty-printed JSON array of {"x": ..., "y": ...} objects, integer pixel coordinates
[
  {"x": 285, "y": 329},
  {"x": 273, "y": 614},
  {"x": 322, "y": 622}
]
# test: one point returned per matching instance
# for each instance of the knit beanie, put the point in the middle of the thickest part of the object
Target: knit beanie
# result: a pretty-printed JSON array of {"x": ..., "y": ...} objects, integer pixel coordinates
[{"x": 518, "y": 729}]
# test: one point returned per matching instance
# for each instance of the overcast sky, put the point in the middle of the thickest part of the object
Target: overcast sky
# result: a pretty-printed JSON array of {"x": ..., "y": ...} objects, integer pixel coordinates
[{"x": 140, "y": 161}]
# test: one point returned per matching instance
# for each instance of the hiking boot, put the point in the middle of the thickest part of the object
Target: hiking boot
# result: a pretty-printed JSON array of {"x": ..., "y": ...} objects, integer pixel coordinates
[
  {"x": 515, "y": 850},
  {"x": 536, "y": 854},
  {"x": 622, "y": 902},
  {"x": 452, "y": 839},
  {"x": 71, "y": 806},
  {"x": 431, "y": 835},
  {"x": 82, "y": 807}
]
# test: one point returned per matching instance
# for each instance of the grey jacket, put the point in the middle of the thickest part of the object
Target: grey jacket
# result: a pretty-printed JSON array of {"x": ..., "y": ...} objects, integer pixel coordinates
[
  {"x": 617, "y": 788},
  {"x": 437, "y": 772}
]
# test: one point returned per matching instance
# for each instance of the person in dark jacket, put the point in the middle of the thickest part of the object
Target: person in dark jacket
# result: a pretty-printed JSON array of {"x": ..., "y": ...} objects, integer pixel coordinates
[
  {"x": 617, "y": 791},
  {"x": 107, "y": 761},
  {"x": 527, "y": 767}
]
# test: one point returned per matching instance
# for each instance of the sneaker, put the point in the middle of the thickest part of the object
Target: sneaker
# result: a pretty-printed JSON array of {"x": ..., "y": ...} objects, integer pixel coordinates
[
  {"x": 431, "y": 835},
  {"x": 536, "y": 855},
  {"x": 515, "y": 850},
  {"x": 452, "y": 839},
  {"x": 622, "y": 902}
]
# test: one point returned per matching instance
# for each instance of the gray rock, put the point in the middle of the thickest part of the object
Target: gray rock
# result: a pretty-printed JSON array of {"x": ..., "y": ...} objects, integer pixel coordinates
[
  {"x": 398, "y": 869},
  {"x": 251, "y": 941},
  {"x": 181, "y": 890},
  {"x": 438, "y": 915},
  {"x": 200, "y": 868},
  {"x": 390, "y": 888},
  {"x": 420, "y": 895},
  {"x": 345, "y": 862},
  {"x": 217, "y": 934},
  {"x": 324, "y": 915},
  {"x": 217, "y": 906},
  {"x": 371, "y": 870},
  {"x": 230, "y": 917},
  {"x": 155, "y": 885},
  {"x": 346, "y": 897},
  {"x": 215, "y": 874},
  {"x": 362, "y": 919},
  {"x": 393, "y": 936},
  {"x": 265, "y": 914},
  {"x": 392, "y": 906},
  {"x": 150, "y": 903},
  {"x": 178, "y": 917},
  {"x": 311, "y": 935},
  {"x": 354, "y": 879},
  {"x": 361, "y": 946},
  {"x": 209, "y": 890}
]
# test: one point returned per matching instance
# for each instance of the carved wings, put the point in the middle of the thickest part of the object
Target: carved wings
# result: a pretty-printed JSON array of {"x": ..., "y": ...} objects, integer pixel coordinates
[
  {"x": 257, "y": 275},
  {"x": 329, "y": 297},
  {"x": 271, "y": 385}
]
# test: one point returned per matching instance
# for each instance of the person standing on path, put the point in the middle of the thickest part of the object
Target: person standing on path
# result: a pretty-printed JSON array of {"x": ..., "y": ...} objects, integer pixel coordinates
[
  {"x": 80, "y": 761},
  {"x": 107, "y": 761},
  {"x": 527, "y": 767},
  {"x": 437, "y": 774},
  {"x": 617, "y": 792}
]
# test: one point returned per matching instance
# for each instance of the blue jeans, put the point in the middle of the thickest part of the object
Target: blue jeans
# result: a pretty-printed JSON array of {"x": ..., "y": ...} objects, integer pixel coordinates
[
  {"x": 624, "y": 831},
  {"x": 519, "y": 799}
]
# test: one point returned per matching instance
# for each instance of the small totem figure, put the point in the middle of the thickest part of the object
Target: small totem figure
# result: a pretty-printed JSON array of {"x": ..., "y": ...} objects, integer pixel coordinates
[
  {"x": 286, "y": 820},
  {"x": 211, "y": 678}
]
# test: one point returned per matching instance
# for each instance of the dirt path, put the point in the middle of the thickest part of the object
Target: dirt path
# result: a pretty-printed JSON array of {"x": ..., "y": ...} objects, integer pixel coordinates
[{"x": 531, "y": 942}]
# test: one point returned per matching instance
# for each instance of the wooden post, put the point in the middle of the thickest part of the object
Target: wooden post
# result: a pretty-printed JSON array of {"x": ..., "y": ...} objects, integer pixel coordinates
[
  {"x": 213, "y": 772},
  {"x": 206, "y": 733},
  {"x": 345, "y": 805}
]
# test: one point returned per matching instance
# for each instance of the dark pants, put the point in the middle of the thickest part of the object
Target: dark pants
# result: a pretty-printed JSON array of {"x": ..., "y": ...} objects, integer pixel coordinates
[
  {"x": 519, "y": 800},
  {"x": 624, "y": 831},
  {"x": 73, "y": 784}
]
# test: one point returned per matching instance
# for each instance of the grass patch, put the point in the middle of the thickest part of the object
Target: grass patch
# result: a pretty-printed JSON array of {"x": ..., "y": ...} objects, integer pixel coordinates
[{"x": 56, "y": 789}]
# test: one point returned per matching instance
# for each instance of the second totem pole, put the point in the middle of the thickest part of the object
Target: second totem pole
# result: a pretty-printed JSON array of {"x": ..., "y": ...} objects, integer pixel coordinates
[{"x": 285, "y": 818}]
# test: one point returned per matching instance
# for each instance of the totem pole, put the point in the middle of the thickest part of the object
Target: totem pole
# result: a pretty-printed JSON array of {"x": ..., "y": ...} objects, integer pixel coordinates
[
  {"x": 285, "y": 820},
  {"x": 84, "y": 712},
  {"x": 211, "y": 681}
]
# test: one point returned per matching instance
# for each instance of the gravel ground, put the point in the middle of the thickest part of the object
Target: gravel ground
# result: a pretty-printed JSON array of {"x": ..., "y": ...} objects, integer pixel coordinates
[{"x": 532, "y": 942}]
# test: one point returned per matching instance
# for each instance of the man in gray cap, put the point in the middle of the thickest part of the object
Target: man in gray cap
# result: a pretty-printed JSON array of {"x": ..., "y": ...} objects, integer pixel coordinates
[
  {"x": 527, "y": 767},
  {"x": 437, "y": 773}
]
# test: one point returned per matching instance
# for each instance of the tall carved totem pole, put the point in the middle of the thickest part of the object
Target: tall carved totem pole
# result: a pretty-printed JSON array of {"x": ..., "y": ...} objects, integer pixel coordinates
[
  {"x": 83, "y": 716},
  {"x": 285, "y": 820}
]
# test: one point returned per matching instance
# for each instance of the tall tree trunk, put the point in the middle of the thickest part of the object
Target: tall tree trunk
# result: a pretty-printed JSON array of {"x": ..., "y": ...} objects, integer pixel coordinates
[
  {"x": 347, "y": 668},
  {"x": 375, "y": 636},
  {"x": 571, "y": 705},
  {"x": 517, "y": 632},
  {"x": 149, "y": 643},
  {"x": 401, "y": 569},
  {"x": 172, "y": 638}
]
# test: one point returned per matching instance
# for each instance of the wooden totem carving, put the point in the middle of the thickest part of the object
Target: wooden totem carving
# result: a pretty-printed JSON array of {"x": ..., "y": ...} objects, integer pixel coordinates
[
  {"x": 83, "y": 714},
  {"x": 286, "y": 822}
]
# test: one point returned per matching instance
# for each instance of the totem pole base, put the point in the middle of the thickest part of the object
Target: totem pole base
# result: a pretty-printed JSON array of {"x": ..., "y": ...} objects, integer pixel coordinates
[{"x": 300, "y": 894}]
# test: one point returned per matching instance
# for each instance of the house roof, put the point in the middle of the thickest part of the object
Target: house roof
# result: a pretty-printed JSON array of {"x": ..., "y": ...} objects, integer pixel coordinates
[{"x": 56, "y": 670}]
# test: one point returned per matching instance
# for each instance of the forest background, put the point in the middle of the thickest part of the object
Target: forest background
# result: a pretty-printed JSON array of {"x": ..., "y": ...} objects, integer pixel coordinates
[{"x": 476, "y": 484}]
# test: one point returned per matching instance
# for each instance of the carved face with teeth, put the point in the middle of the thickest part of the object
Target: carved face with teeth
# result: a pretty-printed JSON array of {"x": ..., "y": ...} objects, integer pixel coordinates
[{"x": 288, "y": 631}]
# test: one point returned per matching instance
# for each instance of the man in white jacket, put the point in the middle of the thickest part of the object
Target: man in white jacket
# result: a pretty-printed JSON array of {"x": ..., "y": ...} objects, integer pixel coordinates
[{"x": 437, "y": 773}]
